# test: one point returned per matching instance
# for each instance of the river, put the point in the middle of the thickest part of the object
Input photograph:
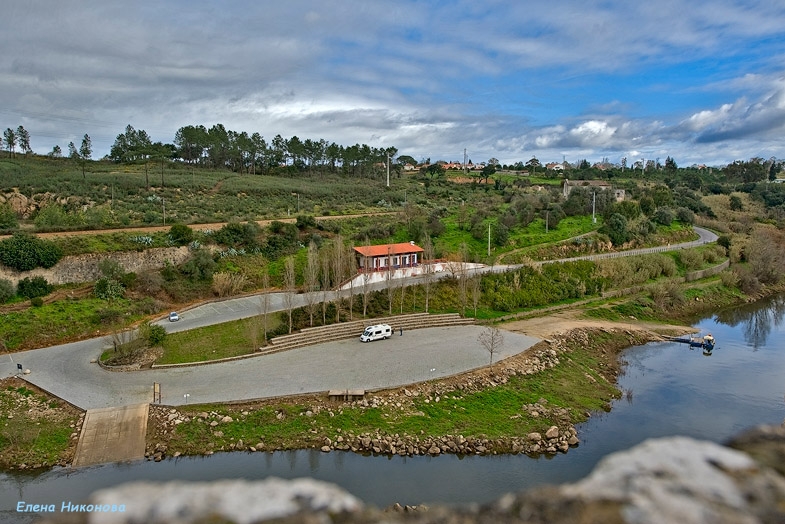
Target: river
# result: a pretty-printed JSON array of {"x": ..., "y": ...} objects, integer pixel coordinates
[{"x": 669, "y": 389}]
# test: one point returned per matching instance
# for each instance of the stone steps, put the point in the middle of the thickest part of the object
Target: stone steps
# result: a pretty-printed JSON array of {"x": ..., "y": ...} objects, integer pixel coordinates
[{"x": 346, "y": 330}]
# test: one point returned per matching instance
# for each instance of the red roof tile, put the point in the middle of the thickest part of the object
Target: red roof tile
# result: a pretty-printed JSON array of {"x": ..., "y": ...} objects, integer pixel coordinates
[{"x": 391, "y": 249}]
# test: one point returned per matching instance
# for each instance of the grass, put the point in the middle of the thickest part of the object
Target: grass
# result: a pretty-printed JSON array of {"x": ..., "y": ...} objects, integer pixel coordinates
[
  {"x": 229, "y": 339},
  {"x": 35, "y": 428},
  {"x": 492, "y": 413},
  {"x": 64, "y": 320}
]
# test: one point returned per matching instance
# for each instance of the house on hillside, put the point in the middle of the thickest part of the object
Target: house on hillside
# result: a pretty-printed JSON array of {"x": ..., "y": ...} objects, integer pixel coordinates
[
  {"x": 385, "y": 256},
  {"x": 603, "y": 185}
]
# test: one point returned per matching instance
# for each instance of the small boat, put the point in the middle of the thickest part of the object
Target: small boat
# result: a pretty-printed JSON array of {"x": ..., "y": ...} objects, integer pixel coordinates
[{"x": 706, "y": 342}]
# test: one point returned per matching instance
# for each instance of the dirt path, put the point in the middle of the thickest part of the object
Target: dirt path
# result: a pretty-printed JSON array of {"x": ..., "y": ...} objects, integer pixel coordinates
[
  {"x": 561, "y": 322},
  {"x": 197, "y": 227}
]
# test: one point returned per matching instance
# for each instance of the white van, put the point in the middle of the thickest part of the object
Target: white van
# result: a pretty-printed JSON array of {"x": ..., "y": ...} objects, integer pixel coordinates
[{"x": 376, "y": 332}]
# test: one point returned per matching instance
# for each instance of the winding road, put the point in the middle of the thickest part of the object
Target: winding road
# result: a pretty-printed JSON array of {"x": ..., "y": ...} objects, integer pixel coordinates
[{"x": 67, "y": 372}]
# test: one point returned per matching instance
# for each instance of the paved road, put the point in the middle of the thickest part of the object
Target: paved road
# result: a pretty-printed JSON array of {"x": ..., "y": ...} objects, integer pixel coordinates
[
  {"x": 66, "y": 370},
  {"x": 416, "y": 356}
]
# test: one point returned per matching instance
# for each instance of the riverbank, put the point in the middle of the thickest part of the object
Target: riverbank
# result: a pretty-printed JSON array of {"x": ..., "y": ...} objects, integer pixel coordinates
[{"x": 528, "y": 403}]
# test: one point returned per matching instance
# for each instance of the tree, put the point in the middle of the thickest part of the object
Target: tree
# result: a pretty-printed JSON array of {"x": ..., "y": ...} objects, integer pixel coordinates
[
  {"x": 265, "y": 298},
  {"x": 23, "y": 138},
  {"x": 492, "y": 340},
  {"x": 290, "y": 287},
  {"x": 311, "y": 279},
  {"x": 10, "y": 141},
  {"x": 427, "y": 268},
  {"x": 56, "y": 152},
  {"x": 616, "y": 229},
  {"x": 533, "y": 164},
  {"x": 670, "y": 164},
  {"x": 736, "y": 203},
  {"x": 85, "y": 152}
]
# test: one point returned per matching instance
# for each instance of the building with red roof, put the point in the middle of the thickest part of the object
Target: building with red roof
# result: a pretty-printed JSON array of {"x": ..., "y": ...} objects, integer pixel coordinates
[{"x": 384, "y": 256}]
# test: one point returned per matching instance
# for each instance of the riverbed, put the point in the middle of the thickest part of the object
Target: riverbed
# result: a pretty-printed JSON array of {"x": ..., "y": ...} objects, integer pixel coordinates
[{"x": 668, "y": 389}]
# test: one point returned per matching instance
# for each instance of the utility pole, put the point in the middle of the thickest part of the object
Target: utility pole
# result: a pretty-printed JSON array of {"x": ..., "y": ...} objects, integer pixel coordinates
[
  {"x": 388, "y": 169},
  {"x": 547, "y": 216},
  {"x": 465, "y": 164},
  {"x": 593, "y": 206},
  {"x": 163, "y": 205},
  {"x": 489, "y": 240}
]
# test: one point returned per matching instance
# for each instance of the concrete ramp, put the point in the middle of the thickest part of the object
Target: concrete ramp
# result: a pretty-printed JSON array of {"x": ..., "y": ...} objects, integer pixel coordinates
[{"x": 112, "y": 435}]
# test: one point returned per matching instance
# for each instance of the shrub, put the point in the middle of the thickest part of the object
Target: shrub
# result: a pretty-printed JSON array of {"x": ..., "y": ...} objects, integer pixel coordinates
[
  {"x": 111, "y": 269},
  {"x": 156, "y": 335},
  {"x": 663, "y": 216},
  {"x": 7, "y": 290},
  {"x": 227, "y": 284},
  {"x": 7, "y": 218},
  {"x": 729, "y": 279},
  {"x": 24, "y": 252},
  {"x": 33, "y": 287},
  {"x": 37, "y": 302},
  {"x": 238, "y": 235},
  {"x": 305, "y": 221},
  {"x": 685, "y": 216},
  {"x": 691, "y": 258},
  {"x": 181, "y": 235},
  {"x": 108, "y": 289}
]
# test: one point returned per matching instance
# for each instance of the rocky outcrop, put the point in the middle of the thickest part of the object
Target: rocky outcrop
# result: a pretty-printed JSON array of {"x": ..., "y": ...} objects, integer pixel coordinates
[{"x": 675, "y": 479}]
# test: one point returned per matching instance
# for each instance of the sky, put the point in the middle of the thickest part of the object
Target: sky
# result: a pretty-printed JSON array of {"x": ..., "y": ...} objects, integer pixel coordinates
[{"x": 700, "y": 81}]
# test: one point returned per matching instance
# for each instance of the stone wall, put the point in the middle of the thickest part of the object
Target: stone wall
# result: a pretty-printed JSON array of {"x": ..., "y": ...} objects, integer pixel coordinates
[{"x": 84, "y": 268}]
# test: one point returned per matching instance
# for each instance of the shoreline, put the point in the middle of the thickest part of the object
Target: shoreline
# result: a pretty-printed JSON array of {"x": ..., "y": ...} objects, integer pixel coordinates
[
  {"x": 551, "y": 425},
  {"x": 536, "y": 417}
]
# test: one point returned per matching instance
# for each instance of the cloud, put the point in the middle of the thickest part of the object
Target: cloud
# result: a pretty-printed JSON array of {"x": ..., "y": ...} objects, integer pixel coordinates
[{"x": 504, "y": 79}]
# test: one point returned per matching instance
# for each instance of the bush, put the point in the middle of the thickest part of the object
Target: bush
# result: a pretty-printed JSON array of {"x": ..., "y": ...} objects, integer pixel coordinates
[
  {"x": 235, "y": 234},
  {"x": 181, "y": 235},
  {"x": 24, "y": 252},
  {"x": 33, "y": 287},
  {"x": 663, "y": 216},
  {"x": 156, "y": 335},
  {"x": 108, "y": 289},
  {"x": 691, "y": 258},
  {"x": 7, "y": 218},
  {"x": 685, "y": 216},
  {"x": 36, "y": 302},
  {"x": 7, "y": 291}
]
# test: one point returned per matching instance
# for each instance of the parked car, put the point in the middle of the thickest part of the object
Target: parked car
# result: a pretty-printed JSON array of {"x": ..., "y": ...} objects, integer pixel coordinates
[
  {"x": 173, "y": 316},
  {"x": 376, "y": 332}
]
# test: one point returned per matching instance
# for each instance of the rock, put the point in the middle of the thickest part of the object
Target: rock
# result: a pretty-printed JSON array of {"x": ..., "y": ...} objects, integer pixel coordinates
[
  {"x": 573, "y": 441},
  {"x": 213, "y": 424},
  {"x": 226, "y": 500},
  {"x": 226, "y": 419},
  {"x": 326, "y": 449},
  {"x": 534, "y": 437},
  {"x": 553, "y": 432},
  {"x": 434, "y": 450},
  {"x": 203, "y": 415}
]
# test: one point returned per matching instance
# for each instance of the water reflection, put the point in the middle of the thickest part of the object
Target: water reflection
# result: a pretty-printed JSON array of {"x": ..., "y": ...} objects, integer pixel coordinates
[{"x": 758, "y": 319}]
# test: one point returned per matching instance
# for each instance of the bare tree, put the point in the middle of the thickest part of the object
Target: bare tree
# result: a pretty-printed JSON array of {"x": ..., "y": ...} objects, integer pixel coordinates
[
  {"x": 326, "y": 282},
  {"x": 351, "y": 272},
  {"x": 463, "y": 277},
  {"x": 311, "y": 279},
  {"x": 366, "y": 282},
  {"x": 403, "y": 291},
  {"x": 338, "y": 269},
  {"x": 475, "y": 290},
  {"x": 389, "y": 278},
  {"x": 492, "y": 340},
  {"x": 289, "y": 279},
  {"x": 427, "y": 268},
  {"x": 265, "y": 298}
]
